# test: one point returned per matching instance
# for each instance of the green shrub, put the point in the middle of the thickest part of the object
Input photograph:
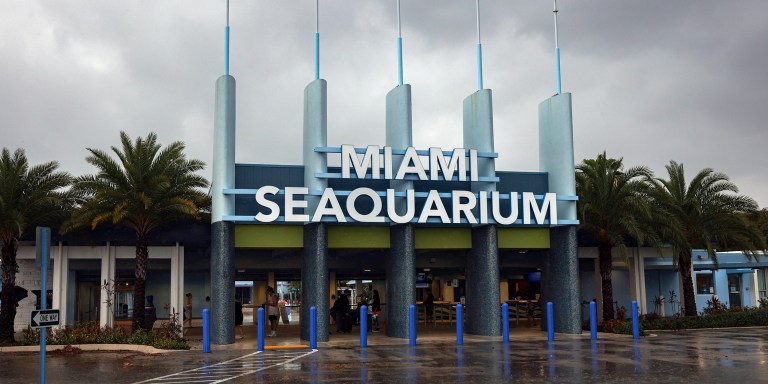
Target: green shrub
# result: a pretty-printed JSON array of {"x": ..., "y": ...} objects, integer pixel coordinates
[
  {"x": 91, "y": 333},
  {"x": 625, "y": 328},
  {"x": 715, "y": 306},
  {"x": 744, "y": 318}
]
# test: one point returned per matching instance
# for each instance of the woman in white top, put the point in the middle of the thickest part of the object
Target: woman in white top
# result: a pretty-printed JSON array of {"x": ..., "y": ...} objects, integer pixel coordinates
[{"x": 272, "y": 310}]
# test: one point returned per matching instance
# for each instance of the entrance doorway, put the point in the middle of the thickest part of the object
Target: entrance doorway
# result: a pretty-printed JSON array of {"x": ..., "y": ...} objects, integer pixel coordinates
[
  {"x": 734, "y": 290},
  {"x": 87, "y": 301}
]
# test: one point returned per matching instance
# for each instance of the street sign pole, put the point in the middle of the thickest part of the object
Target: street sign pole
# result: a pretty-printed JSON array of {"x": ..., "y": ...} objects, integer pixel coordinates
[{"x": 43, "y": 243}]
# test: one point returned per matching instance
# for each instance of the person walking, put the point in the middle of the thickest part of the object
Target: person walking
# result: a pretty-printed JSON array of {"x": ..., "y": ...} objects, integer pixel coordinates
[
  {"x": 239, "y": 318},
  {"x": 188, "y": 310},
  {"x": 272, "y": 311},
  {"x": 376, "y": 309}
]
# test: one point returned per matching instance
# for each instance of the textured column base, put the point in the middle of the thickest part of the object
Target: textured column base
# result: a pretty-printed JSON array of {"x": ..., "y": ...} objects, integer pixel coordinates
[
  {"x": 483, "y": 297},
  {"x": 222, "y": 282},
  {"x": 560, "y": 281},
  {"x": 314, "y": 280},
  {"x": 401, "y": 278}
]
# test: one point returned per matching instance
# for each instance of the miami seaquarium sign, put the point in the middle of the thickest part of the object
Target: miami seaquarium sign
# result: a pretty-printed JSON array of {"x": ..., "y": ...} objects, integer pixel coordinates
[{"x": 400, "y": 205}]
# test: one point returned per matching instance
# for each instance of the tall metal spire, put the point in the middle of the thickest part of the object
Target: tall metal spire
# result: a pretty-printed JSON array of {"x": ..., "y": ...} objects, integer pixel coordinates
[
  {"x": 226, "y": 43},
  {"x": 317, "y": 39},
  {"x": 557, "y": 54},
  {"x": 399, "y": 47},
  {"x": 479, "y": 50}
]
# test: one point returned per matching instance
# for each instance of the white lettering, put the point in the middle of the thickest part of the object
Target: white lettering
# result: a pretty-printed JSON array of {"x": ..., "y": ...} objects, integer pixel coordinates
[
  {"x": 529, "y": 204},
  {"x": 388, "y": 163},
  {"x": 373, "y": 216},
  {"x": 466, "y": 208},
  {"x": 497, "y": 216},
  {"x": 261, "y": 199},
  {"x": 291, "y": 204},
  {"x": 411, "y": 156},
  {"x": 433, "y": 199},
  {"x": 410, "y": 206},
  {"x": 437, "y": 163},
  {"x": 370, "y": 161},
  {"x": 334, "y": 210},
  {"x": 483, "y": 207}
]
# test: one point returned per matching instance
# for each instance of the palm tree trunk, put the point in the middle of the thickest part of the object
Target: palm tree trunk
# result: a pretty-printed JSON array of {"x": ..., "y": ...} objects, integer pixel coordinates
[
  {"x": 689, "y": 298},
  {"x": 8, "y": 309},
  {"x": 142, "y": 253},
  {"x": 606, "y": 267}
]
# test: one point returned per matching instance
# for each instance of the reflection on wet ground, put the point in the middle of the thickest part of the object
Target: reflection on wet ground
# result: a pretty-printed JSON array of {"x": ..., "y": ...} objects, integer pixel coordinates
[{"x": 704, "y": 356}]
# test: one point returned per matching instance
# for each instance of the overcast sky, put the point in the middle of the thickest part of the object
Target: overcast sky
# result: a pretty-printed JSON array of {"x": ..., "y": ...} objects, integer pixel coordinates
[{"x": 652, "y": 80}]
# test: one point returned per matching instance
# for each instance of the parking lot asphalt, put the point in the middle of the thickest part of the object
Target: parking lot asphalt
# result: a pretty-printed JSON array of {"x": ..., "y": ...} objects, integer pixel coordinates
[{"x": 737, "y": 355}]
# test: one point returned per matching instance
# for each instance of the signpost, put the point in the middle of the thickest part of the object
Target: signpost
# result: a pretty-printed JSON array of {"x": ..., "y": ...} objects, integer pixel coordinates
[{"x": 45, "y": 318}]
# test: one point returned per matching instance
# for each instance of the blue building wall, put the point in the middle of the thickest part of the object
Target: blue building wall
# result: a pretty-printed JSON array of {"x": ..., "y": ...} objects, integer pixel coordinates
[{"x": 658, "y": 283}]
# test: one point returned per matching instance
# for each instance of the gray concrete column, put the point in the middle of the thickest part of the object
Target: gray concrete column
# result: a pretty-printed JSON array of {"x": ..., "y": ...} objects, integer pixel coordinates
[
  {"x": 560, "y": 278},
  {"x": 314, "y": 269},
  {"x": 222, "y": 232},
  {"x": 560, "y": 281},
  {"x": 556, "y": 150},
  {"x": 401, "y": 278},
  {"x": 482, "y": 273},
  {"x": 222, "y": 282},
  {"x": 314, "y": 280},
  {"x": 315, "y": 135},
  {"x": 401, "y": 261}
]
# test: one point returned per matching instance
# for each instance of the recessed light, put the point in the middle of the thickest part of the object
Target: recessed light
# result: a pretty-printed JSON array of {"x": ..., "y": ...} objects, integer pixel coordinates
[{"x": 366, "y": 270}]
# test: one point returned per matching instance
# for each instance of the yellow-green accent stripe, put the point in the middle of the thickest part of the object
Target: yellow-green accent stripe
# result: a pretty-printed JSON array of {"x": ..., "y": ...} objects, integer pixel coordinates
[
  {"x": 523, "y": 238},
  {"x": 358, "y": 237},
  {"x": 269, "y": 236}
]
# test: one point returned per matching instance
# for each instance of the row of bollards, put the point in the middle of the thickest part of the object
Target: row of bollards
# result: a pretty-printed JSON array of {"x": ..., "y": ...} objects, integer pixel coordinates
[
  {"x": 592, "y": 322},
  {"x": 260, "y": 329},
  {"x": 412, "y": 325}
]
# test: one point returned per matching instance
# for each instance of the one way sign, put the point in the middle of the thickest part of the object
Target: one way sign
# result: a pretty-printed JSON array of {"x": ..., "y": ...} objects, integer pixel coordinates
[{"x": 45, "y": 318}]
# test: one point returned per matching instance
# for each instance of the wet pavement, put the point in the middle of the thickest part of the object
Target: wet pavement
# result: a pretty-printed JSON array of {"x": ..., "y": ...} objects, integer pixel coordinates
[{"x": 737, "y": 355}]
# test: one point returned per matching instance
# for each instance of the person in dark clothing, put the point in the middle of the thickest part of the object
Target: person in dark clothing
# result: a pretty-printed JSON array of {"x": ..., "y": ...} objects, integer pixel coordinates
[
  {"x": 239, "y": 318},
  {"x": 340, "y": 310},
  {"x": 429, "y": 306},
  {"x": 376, "y": 302}
]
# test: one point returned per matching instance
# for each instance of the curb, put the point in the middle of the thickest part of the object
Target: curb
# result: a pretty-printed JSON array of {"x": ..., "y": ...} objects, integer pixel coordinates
[{"x": 146, "y": 349}]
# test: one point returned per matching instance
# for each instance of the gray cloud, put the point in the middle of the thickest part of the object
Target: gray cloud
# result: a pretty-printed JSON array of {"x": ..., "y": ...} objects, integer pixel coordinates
[{"x": 652, "y": 81}]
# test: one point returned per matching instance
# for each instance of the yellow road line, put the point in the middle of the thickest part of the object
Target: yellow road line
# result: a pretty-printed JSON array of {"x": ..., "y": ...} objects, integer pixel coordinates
[{"x": 300, "y": 346}]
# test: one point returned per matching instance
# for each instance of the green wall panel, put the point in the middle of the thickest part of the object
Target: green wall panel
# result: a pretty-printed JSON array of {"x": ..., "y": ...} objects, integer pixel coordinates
[
  {"x": 443, "y": 238},
  {"x": 348, "y": 237},
  {"x": 523, "y": 238},
  {"x": 269, "y": 236},
  {"x": 358, "y": 237}
]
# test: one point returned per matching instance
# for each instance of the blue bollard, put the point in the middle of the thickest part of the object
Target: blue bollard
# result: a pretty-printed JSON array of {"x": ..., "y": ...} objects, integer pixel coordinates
[
  {"x": 505, "y": 322},
  {"x": 312, "y": 328},
  {"x": 635, "y": 321},
  {"x": 260, "y": 327},
  {"x": 593, "y": 320},
  {"x": 363, "y": 326},
  {"x": 206, "y": 330},
  {"x": 459, "y": 324},
  {"x": 550, "y": 321},
  {"x": 412, "y": 325}
]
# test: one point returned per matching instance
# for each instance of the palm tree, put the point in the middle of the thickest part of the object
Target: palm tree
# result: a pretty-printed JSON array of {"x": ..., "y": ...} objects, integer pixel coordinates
[
  {"x": 613, "y": 205},
  {"x": 29, "y": 196},
  {"x": 144, "y": 188},
  {"x": 709, "y": 215}
]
